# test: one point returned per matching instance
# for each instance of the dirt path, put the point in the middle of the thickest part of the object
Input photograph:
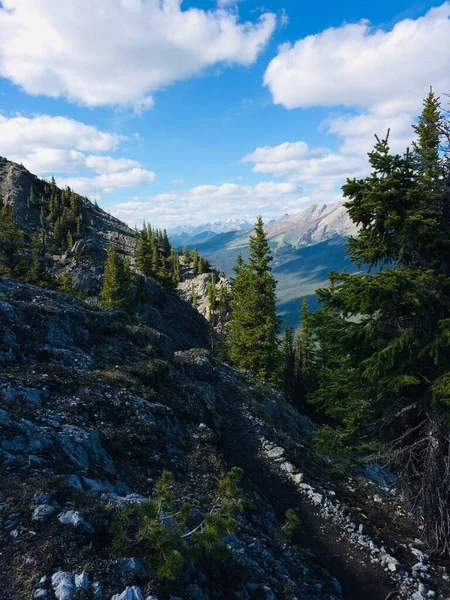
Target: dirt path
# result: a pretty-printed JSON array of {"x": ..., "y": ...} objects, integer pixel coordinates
[{"x": 350, "y": 565}]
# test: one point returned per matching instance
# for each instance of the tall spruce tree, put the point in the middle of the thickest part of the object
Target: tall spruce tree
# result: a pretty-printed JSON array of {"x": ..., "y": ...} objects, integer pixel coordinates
[
  {"x": 386, "y": 377},
  {"x": 11, "y": 243},
  {"x": 116, "y": 292},
  {"x": 254, "y": 323},
  {"x": 305, "y": 358},
  {"x": 287, "y": 363}
]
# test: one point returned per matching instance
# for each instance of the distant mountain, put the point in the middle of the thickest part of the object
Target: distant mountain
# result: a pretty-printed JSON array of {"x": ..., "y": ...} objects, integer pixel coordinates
[
  {"x": 192, "y": 234},
  {"x": 306, "y": 246},
  {"x": 312, "y": 225}
]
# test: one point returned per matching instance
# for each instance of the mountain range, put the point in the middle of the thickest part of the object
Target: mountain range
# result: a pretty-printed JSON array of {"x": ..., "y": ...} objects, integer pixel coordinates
[{"x": 306, "y": 246}]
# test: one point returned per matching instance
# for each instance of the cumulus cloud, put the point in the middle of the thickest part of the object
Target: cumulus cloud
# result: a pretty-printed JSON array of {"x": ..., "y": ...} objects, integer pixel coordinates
[
  {"x": 213, "y": 202},
  {"x": 22, "y": 134},
  {"x": 57, "y": 145},
  {"x": 119, "y": 52},
  {"x": 310, "y": 166},
  {"x": 358, "y": 66},
  {"x": 358, "y": 131},
  {"x": 94, "y": 187}
]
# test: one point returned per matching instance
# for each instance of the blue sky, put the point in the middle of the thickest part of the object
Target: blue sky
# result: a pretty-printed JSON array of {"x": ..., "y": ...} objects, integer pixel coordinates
[{"x": 196, "y": 111}]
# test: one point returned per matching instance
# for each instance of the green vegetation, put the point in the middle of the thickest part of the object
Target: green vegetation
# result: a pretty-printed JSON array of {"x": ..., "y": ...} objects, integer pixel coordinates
[
  {"x": 291, "y": 526},
  {"x": 384, "y": 337},
  {"x": 116, "y": 292},
  {"x": 162, "y": 531},
  {"x": 254, "y": 324},
  {"x": 11, "y": 243}
]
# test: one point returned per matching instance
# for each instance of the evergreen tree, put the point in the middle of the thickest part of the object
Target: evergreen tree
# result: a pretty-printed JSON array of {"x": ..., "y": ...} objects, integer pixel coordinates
[
  {"x": 223, "y": 311},
  {"x": 65, "y": 283},
  {"x": 305, "y": 360},
  {"x": 254, "y": 323},
  {"x": 211, "y": 300},
  {"x": 195, "y": 258},
  {"x": 385, "y": 380},
  {"x": 69, "y": 240},
  {"x": 116, "y": 293},
  {"x": 287, "y": 363},
  {"x": 37, "y": 274},
  {"x": 11, "y": 243}
]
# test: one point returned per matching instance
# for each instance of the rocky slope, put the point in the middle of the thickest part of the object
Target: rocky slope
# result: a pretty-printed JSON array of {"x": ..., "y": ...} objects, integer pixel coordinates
[
  {"x": 93, "y": 407},
  {"x": 103, "y": 229}
]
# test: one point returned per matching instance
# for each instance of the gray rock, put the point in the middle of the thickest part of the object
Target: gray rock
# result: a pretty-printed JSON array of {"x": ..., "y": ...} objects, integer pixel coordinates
[
  {"x": 42, "y": 498},
  {"x": 75, "y": 518},
  {"x": 43, "y": 511},
  {"x": 135, "y": 566},
  {"x": 75, "y": 482},
  {"x": 196, "y": 593},
  {"x": 84, "y": 448},
  {"x": 96, "y": 589},
  {"x": 40, "y": 595}
]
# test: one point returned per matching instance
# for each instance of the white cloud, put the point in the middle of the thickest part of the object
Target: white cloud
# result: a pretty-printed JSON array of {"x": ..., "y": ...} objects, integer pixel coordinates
[
  {"x": 106, "y": 164},
  {"x": 310, "y": 166},
  {"x": 358, "y": 131},
  {"x": 357, "y": 66},
  {"x": 19, "y": 135},
  {"x": 213, "y": 202},
  {"x": 119, "y": 52},
  {"x": 56, "y": 145},
  {"x": 94, "y": 187}
]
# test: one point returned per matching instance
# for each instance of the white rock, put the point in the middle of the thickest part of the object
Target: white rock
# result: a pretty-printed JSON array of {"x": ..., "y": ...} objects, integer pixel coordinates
[
  {"x": 276, "y": 452},
  {"x": 297, "y": 477},
  {"x": 63, "y": 585},
  {"x": 287, "y": 467},
  {"x": 81, "y": 580},
  {"x": 317, "y": 499},
  {"x": 96, "y": 589},
  {"x": 421, "y": 556},
  {"x": 131, "y": 593}
]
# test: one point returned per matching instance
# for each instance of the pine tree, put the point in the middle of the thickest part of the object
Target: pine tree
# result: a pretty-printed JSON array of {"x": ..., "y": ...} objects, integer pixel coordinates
[
  {"x": 37, "y": 273},
  {"x": 69, "y": 240},
  {"x": 287, "y": 363},
  {"x": 254, "y": 323},
  {"x": 195, "y": 258},
  {"x": 65, "y": 283},
  {"x": 223, "y": 311},
  {"x": 305, "y": 359},
  {"x": 11, "y": 243},
  {"x": 116, "y": 293},
  {"x": 211, "y": 300},
  {"x": 385, "y": 380}
]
